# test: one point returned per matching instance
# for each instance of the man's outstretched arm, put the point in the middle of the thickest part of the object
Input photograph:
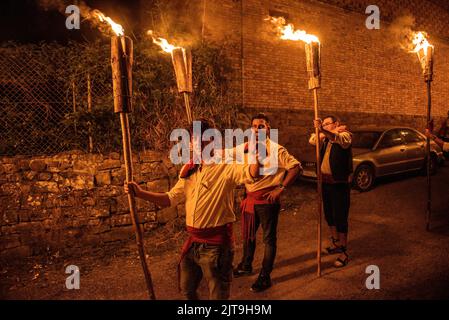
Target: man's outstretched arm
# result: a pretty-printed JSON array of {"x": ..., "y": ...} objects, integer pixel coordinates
[{"x": 160, "y": 199}]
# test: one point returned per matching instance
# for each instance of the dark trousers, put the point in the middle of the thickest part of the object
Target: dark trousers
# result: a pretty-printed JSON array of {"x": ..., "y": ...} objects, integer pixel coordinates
[
  {"x": 214, "y": 262},
  {"x": 336, "y": 202},
  {"x": 266, "y": 215}
]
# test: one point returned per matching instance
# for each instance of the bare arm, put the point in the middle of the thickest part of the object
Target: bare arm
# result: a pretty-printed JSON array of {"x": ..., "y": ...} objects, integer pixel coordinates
[
  {"x": 291, "y": 175},
  {"x": 254, "y": 169},
  {"x": 312, "y": 139},
  {"x": 341, "y": 138},
  {"x": 328, "y": 134},
  {"x": 439, "y": 142},
  {"x": 433, "y": 137},
  {"x": 274, "y": 195},
  {"x": 443, "y": 145},
  {"x": 161, "y": 199}
]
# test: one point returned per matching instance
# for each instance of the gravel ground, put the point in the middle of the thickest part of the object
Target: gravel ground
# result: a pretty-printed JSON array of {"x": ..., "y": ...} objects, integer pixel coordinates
[{"x": 387, "y": 229}]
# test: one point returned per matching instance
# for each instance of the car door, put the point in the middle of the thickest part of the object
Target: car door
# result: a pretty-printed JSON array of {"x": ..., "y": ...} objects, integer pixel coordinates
[
  {"x": 416, "y": 148},
  {"x": 390, "y": 153}
]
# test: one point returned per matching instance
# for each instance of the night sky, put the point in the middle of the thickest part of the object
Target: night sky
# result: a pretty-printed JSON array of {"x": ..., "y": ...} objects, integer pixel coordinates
[{"x": 25, "y": 21}]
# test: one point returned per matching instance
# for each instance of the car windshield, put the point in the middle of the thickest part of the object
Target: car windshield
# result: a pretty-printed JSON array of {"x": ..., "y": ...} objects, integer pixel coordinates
[{"x": 365, "y": 139}]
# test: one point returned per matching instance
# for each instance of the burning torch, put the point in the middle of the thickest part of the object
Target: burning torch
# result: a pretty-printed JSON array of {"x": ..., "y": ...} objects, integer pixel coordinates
[
  {"x": 182, "y": 63},
  {"x": 313, "y": 59},
  {"x": 425, "y": 51},
  {"x": 121, "y": 63}
]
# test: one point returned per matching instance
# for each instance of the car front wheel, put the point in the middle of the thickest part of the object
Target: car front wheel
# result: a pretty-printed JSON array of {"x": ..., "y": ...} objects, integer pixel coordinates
[{"x": 364, "y": 177}]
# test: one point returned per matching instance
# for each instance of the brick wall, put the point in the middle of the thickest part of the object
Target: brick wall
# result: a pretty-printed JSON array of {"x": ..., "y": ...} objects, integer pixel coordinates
[
  {"x": 73, "y": 200},
  {"x": 430, "y": 15},
  {"x": 365, "y": 73}
]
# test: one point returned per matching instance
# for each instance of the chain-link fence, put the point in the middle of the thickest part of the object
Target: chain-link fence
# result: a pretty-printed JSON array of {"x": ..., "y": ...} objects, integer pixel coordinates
[
  {"x": 55, "y": 98},
  {"x": 86, "y": 91},
  {"x": 39, "y": 89}
]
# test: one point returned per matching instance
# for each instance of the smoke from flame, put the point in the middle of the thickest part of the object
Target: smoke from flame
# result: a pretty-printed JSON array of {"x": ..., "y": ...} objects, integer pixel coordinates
[
  {"x": 288, "y": 32},
  {"x": 402, "y": 30},
  {"x": 163, "y": 43},
  {"x": 95, "y": 17}
]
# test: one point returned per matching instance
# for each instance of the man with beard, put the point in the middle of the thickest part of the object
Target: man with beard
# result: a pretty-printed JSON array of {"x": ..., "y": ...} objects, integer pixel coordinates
[{"x": 261, "y": 205}]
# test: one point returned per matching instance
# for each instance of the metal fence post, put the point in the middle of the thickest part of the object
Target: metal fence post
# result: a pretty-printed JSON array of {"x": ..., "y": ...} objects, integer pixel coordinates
[
  {"x": 89, "y": 108},
  {"x": 74, "y": 102}
]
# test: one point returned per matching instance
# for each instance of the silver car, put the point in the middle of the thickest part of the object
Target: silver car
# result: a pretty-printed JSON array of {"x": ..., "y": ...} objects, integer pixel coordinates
[{"x": 379, "y": 152}]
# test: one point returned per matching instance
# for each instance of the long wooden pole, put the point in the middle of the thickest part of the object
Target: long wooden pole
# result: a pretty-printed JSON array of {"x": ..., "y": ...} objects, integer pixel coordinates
[
  {"x": 187, "y": 106},
  {"x": 121, "y": 62},
  {"x": 319, "y": 185},
  {"x": 203, "y": 21},
  {"x": 127, "y": 154},
  {"x": 429, "y": 160}
]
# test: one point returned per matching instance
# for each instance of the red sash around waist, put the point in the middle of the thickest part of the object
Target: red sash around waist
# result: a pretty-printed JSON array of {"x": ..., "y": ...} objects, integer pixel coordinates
[
  {"x": 222, "y": 235},
  {"x": 247, "y": 208}
]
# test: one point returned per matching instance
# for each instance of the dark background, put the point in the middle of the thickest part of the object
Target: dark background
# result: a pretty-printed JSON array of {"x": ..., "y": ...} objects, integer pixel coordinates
[{"x": 25, "y": 21}]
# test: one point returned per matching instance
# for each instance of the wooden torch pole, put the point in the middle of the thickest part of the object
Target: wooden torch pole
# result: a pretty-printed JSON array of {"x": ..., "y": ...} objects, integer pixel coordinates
[
  {"x": 121, "y": 62},
  {"x": 313, "y": 59},
  {"x": 429, "y": 160},
  {"x": 319, "y": 185},
  {"x": 182, "y": 63},
  {"x": 425, "y": 57},
  {"x": 187, "y": 105}
]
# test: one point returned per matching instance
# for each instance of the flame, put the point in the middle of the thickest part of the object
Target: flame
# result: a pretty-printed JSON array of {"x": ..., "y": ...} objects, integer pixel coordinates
[
  {"x": 420, "y": 42},
  {"x": 288, "y": 32},
  {"x": 118, "y": 29},
  {"x": 163, "y": 43}
]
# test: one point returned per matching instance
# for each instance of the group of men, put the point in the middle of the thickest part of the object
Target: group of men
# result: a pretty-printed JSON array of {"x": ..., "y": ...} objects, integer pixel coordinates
[{"x": 208, "y": 192}]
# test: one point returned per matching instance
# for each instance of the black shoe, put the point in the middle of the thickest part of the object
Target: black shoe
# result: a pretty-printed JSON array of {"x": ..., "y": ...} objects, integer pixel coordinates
[
  {"x": 340, "y": 263},
  {"x": 335, "y": 248},
  {"x": 262, "y": 283},
  {"x": 241, "y": 271}
]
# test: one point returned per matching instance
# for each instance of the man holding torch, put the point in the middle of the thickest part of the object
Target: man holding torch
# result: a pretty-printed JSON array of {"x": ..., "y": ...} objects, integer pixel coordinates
[
  {"x": 208, "y": 192},
  {"x": 313, "y": 61},
  {"x": 261, "y": 206},
  {"x": 336, "y": 170},
  {"x": 425, "y": 54}
]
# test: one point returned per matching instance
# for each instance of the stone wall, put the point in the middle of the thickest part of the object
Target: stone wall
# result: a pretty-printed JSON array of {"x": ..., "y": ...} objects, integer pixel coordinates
[{"x": 75, "y": 199}]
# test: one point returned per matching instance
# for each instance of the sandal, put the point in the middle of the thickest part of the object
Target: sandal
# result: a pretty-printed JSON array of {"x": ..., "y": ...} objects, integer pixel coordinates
[
  {"x": 340, "y": 263},
  {"x": 335, "y": 249}
]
